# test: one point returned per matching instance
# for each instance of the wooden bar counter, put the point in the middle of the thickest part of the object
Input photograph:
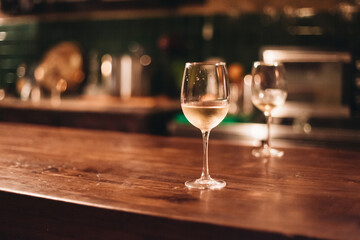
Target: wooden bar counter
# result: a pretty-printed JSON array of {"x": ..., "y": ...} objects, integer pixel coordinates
[{"x": 61, "y": 183}]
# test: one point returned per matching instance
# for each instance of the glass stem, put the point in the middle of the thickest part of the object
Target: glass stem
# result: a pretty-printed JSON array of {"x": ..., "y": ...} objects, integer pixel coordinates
[
  {"x": 269, "y": 118},
  {"x": 205, "y": 171}
]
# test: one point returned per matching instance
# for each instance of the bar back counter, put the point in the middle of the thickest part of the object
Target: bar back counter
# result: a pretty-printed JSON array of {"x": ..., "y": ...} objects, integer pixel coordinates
[{"x": 62, "y": 183}]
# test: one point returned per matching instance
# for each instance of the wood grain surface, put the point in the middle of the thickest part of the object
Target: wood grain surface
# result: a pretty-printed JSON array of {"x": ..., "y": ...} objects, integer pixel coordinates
[{"x": 91, "y": 184}]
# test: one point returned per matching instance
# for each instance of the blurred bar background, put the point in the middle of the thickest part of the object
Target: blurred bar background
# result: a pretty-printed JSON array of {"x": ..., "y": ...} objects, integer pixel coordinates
[{"x": 137, "y": 48}]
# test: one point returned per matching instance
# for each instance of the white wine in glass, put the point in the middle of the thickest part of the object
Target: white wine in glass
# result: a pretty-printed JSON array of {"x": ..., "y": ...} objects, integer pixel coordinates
[
  {"x": 205, "y": 103},
  {"x": 268, "y": 91}
]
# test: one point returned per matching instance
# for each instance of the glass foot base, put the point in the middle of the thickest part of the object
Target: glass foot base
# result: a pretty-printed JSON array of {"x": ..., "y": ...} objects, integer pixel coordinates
[
  {"x": 205, "y": 184},
  {"x": 267, "y": 152}
]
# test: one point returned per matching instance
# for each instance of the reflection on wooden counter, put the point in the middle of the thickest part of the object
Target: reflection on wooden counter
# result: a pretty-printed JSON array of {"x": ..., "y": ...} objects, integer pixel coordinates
[
  {"x": 145, "y": 115},
  {"x": 59, "y": 183},
  {"x": 282, "y": 135}
]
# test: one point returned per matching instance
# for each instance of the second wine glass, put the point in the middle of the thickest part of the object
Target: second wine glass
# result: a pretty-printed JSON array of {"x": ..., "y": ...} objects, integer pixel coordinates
[
  {"x": 268, "y": 91},
  {"x": 205, "y": 103}
]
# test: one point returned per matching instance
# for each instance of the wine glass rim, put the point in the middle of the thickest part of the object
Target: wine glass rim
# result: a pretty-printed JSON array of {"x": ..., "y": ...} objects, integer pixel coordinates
[
  {"x": 206, "y": 63},
  {"x": 263, "y": 63}
]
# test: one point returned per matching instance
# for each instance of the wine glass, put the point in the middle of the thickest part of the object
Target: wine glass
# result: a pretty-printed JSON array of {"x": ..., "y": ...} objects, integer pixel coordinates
[
  {"x": 268, "y": 91},
  {"x": 205, "y": 103}
]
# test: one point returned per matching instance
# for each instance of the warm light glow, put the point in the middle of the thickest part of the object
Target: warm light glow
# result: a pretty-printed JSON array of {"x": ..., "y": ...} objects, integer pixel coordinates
[
  {"x": 305, "y": 12},
  {"x": 247, "y": 104},
  {"x": 35, "y": 95},
  {"x": 39, "y": 74},
  {"x": 106, "y": 65},
  {"x": 25, "y": 92},
  {"x": 145, "y": 60},
  {"x": 106, "y": 68},
  {"x": 61, "y": 85},
  {"x": 208, "y": 31},
  {"x": 269, "y": 56},
  {"x": 75, "y": 60},
  {"x": 126, "y": 75},
  {"x": 247, "y": 79},
  {"x": 293, "y": 55},
  {"x": 258, "y": 131},
  {"x": 257, "y": 79},
  {"x": 2, "y": 94},
  {"x": 2, "y": 36}
]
